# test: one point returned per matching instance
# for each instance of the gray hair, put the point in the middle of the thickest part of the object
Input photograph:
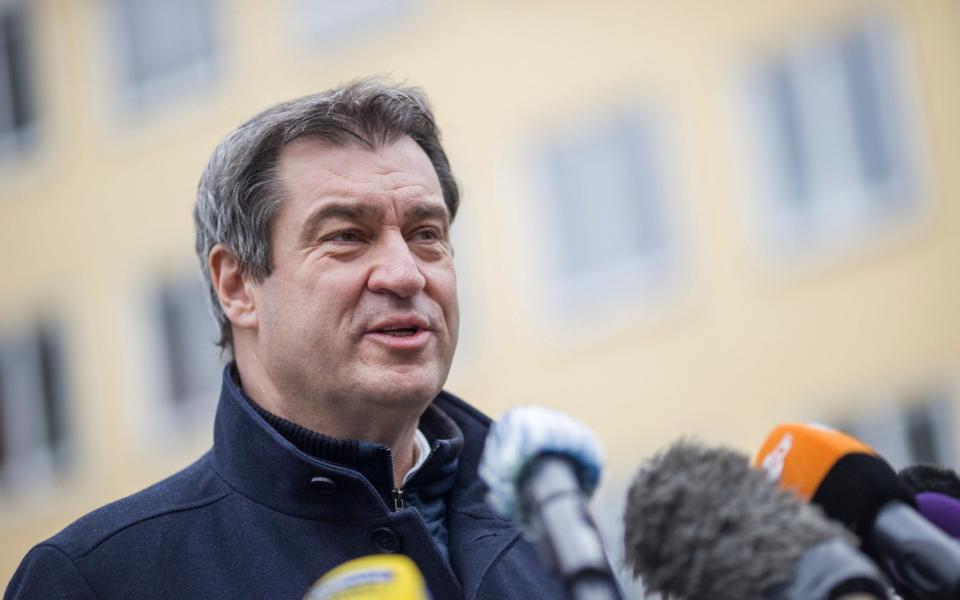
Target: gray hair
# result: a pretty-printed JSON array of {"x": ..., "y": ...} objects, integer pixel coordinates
[{"x": 239, "y": 192}]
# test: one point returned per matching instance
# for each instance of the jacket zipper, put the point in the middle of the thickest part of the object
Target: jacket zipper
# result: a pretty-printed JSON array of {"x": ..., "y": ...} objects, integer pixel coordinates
[{"x": 397, "y": 492}]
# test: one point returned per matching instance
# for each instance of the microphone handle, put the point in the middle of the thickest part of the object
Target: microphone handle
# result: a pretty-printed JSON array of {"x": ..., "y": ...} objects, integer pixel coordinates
[
  {"x": 590, "y": 588},
  {"x": 568, "y": 540},
  {"x": 831, "y": 570},
  {"x": 922, "y": 557}
]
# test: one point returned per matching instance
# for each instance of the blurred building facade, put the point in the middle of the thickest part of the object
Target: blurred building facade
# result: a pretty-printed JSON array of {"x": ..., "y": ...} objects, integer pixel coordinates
[{"x": 684, "y": 218}]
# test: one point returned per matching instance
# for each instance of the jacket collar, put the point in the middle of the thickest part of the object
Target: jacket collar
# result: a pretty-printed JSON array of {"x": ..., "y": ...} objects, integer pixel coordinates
[
  {"x": 261, "y": 464},
  {"x": 277, "y": 463},
  {"x": 478, "y": 536}
]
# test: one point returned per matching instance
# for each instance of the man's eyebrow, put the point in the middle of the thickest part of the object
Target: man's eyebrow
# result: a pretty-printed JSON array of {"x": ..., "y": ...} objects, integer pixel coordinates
[
  {"x": 335, "y": 210},
  {"x": 423, "y": 211}
]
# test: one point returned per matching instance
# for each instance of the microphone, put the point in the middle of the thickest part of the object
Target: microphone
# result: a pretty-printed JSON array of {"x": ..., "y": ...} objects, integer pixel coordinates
[
  {"x": 937, "y": 494},
  {"x": 374, "y": 577},
  {"x": 941, "y": 510},
  {"x": 931, "y": 478},
  {"x": 701, "y": 524},
  {"x": 856, "y": 487},
  {"x": 541, "y": 467}
]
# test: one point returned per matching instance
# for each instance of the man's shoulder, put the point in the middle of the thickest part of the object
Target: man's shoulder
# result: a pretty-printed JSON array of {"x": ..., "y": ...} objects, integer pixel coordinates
[{"x": 192, "y": 488}]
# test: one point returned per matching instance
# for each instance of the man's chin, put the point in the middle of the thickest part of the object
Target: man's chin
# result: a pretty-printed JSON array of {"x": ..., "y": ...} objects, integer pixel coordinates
[{"x": 413, "y": 388}]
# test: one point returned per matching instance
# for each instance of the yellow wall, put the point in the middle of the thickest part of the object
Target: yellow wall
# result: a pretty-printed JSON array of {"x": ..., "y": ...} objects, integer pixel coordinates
[{"x": 740, "y": 341}]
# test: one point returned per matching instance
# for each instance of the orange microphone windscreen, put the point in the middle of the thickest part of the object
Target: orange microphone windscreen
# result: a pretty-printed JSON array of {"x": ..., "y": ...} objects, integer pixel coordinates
[{"x": 799, "y": 456}]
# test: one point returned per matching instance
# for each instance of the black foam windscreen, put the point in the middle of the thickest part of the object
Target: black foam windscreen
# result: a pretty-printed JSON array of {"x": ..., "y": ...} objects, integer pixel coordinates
[
  {"x": 931, "y": 478},
  {"x": 856, "y": 488}
]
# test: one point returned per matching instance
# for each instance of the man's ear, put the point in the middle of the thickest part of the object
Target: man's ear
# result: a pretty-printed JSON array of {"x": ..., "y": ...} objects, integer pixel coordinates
[{"x": 232, "y": 288}]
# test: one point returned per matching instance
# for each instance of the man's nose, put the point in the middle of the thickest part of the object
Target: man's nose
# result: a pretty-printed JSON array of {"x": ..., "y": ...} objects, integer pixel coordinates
[{"x": 395, "y": 269}]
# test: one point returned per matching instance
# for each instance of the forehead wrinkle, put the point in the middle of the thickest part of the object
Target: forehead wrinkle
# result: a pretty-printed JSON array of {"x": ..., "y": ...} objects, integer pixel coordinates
[
  {"x": 398, "y": 184},
  {"x": 360, "y": 188}
]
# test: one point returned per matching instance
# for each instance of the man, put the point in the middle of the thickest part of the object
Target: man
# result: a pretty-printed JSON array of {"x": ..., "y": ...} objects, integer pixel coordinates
[{"x": 323, "y": 231}]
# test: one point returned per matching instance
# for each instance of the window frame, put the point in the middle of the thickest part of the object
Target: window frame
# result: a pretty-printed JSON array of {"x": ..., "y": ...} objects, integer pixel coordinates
[
  {"x": 19, "y": 136},
  {"x": 842, "y": 212},
  {"x": 637, "y": 276},
  {"x": 30, "y": 457},
  {"x": 139, "y": 93}
]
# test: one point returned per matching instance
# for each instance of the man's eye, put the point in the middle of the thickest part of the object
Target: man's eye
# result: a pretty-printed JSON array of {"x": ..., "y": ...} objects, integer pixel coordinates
[
  {"x": 427, "y": 234},
  {"x": 345, "y": 236}
]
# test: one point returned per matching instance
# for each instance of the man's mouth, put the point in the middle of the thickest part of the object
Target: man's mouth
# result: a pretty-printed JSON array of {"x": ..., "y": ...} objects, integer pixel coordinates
[{"x": 399, "y": 331}]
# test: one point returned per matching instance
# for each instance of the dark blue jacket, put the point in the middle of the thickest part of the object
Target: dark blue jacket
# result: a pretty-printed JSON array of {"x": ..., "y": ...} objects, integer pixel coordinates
[{"x": 256, "y": 517}]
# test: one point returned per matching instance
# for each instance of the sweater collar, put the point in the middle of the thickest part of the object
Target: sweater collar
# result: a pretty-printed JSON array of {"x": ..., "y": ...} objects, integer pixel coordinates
[{"x": 279, "y": 463}]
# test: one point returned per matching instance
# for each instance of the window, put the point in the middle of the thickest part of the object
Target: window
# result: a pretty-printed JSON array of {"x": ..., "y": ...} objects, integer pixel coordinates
[
  {"x": 17, "y": 111},
  {"x": 921, "y": 430},
  {"x": 164, "y": 46},
  {"x": 33, "y": 406},
  {"x": 332, "y": 21},
  {"x": 189, "y": 359},
  {"x": 921, "y": 434},
  {"x": 833, "y": 138},
  {"x": 605, "y": 203}
]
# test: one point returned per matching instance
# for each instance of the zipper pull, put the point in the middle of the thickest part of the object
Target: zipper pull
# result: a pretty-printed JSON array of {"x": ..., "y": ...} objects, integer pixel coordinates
[{"x": 397, "y": 499}]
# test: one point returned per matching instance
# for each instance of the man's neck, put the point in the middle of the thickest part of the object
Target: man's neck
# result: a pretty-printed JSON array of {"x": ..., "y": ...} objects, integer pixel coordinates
[{"x": 346, "y": 420}]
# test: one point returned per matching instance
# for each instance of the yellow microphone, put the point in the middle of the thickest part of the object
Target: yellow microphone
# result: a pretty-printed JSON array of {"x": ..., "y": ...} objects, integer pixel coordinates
[{"x": 374, "y": 577}]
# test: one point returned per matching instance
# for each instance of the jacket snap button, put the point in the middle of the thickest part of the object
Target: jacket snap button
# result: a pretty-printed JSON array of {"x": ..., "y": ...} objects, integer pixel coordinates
[
  {"x": 386, "y": 540},
  {"x": 324, "y": 485}
]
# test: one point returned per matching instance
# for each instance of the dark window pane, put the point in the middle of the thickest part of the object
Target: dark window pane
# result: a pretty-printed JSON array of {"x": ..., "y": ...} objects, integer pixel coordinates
[
  {"x": 922, "y": 434},
  {"x": 17, "y": 109},
  {"x": 164, "y": 37},
  {"x": 866, "y": 95},
  {"x": 792, "y": 147},
  {"x": 175, "y": 343},
  {"x": 605, "y": 196},
  {"x": 642, "y": 179},
  {"x": 51, "y": 367},
  {"x": 188, "y": 334}
]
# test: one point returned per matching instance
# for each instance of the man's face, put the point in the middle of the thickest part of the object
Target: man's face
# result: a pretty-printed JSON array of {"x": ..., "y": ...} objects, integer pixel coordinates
[{"x": 362, "y": 300}]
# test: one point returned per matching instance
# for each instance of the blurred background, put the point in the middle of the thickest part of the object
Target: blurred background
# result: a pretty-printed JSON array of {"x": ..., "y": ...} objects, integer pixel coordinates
[{"x": 680, "y": 218}]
